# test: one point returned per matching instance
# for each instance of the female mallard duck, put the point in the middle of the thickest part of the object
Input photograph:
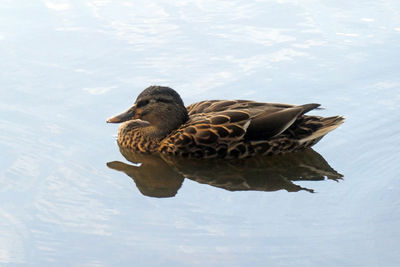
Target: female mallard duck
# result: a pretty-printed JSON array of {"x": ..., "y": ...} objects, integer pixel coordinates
[{"x": 159, "y": 122}]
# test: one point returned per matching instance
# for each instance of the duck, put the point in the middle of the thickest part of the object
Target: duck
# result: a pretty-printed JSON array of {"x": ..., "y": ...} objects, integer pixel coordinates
[{"x": 160, "y": 123}]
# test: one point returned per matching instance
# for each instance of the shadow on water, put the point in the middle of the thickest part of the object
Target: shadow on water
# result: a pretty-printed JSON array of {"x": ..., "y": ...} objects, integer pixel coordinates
[{"x": 162, "y": 176}]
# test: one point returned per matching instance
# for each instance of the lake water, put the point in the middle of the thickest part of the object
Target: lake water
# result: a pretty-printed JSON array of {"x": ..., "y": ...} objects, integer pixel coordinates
[{"x": 66, "y": 198}]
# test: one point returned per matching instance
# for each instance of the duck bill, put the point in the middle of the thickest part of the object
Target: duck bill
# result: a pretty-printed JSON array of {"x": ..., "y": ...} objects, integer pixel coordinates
[{"x": 125, "y": 116}]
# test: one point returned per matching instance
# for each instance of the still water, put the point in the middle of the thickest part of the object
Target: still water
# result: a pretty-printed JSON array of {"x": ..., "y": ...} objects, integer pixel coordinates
[{"x": 70, "y": 198}]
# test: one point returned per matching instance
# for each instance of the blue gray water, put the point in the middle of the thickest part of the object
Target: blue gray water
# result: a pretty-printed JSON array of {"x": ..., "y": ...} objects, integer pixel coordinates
[{"x": 68, "y": 65}]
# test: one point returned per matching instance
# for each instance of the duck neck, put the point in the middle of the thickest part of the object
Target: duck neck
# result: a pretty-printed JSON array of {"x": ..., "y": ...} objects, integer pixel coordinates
[
  {"x": 165, "y": 124},
  {"x": 153, "y": 132},
  {"x": 144, "y": 139}
]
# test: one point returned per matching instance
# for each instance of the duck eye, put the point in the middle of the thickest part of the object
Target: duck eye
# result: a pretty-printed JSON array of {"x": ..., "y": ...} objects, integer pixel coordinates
[{"x": 142, "y": 103}]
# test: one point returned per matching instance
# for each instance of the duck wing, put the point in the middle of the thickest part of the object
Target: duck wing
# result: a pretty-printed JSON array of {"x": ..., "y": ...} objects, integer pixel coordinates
[
  {"x": 268, "y": 124},
  {"x": 222, "y": 126},
  {"x": 259, "y": 120}
]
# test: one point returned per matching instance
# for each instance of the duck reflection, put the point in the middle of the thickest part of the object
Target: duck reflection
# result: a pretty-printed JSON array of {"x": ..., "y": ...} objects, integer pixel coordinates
[{"x": 162, "y": 176}]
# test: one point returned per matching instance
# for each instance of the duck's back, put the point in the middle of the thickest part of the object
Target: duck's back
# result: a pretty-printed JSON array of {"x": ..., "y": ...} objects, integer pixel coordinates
[
  {"x": 241, "y": 128},
  {"x": 211, "y": 106}
]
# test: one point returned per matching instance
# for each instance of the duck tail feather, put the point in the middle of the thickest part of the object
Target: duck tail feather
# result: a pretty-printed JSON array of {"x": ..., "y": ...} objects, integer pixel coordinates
[{"x": 328, "y": 124}]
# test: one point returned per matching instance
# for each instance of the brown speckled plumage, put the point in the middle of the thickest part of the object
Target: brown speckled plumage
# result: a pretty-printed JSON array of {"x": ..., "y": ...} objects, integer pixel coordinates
[{"x": 159, "y": 123}]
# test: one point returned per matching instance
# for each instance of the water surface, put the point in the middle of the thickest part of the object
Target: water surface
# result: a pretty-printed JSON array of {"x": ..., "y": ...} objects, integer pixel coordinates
[{"x": 66, "y": 66}]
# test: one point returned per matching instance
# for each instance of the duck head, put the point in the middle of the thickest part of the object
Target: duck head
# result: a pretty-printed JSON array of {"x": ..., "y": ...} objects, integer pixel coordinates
[{"x": 160, "y": 106}]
